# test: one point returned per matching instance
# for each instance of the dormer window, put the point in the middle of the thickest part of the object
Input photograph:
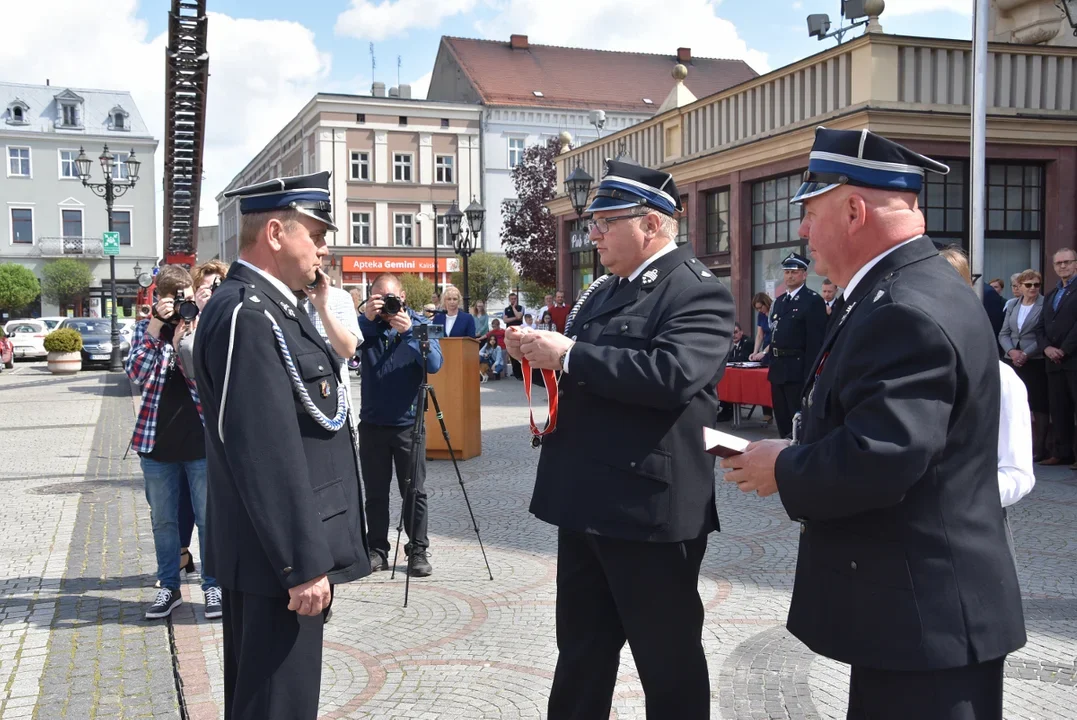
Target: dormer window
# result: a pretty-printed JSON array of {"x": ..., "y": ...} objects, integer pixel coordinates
[
  {"x": 118, "y": 119},
  {"x": 71, "y": 115},
  {"x": 16, "y": 112},
  {"x": 68, "y": 110}
]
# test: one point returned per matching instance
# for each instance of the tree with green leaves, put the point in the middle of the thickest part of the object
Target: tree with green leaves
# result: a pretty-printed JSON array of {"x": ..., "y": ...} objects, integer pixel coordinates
[
  {"x": 489, "y": 275},
  {"x": 418, "y": 292},
  {"x": 18, "y": 287},
  {"x": 65, "y": 281}
]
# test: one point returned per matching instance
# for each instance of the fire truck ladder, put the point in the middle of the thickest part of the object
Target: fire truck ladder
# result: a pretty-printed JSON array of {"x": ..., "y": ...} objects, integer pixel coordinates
[{"x": 186, "y": 78}]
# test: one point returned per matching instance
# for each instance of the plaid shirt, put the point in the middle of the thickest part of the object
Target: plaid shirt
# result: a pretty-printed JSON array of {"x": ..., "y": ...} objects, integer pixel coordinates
[{"x": 148, "y": 366}]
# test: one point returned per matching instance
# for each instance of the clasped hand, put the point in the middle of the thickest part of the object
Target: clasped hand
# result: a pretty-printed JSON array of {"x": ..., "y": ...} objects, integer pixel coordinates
[{"x": 541, "y": 348}]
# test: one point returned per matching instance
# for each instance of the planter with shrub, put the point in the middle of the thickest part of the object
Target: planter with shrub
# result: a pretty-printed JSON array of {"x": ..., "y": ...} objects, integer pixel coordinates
[{"x": 65, "y": 351}]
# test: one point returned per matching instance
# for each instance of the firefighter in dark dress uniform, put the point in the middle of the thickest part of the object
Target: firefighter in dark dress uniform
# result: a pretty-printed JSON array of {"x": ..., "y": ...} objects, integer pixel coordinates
[
  {"x": 284, "y": 508},
  {"x": 904, "y": 569},
  {"x": 625, "y": 476},
  {"x": 797, "y": 324}
]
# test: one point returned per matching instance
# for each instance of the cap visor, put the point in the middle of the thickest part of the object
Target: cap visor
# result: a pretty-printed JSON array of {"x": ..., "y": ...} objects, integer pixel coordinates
[
  {"x": 810, "y": 190},
  {"x": 606, "y": 203},
  {"x": 320, "y": 217}
]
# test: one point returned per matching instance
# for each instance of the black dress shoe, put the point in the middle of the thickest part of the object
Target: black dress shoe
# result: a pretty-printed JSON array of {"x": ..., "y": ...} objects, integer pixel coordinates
[{"x": 378, "y": 562}]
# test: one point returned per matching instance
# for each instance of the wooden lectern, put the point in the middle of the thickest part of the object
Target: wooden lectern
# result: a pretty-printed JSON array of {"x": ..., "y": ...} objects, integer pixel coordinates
[{"x": 457, "y": 389}]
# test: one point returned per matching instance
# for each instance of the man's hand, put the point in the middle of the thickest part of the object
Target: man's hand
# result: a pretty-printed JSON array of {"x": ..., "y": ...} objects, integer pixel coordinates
[
  {"x": 401, "y": 322},
  {"x": 319, "y": 296},
  {"x": 513, "y": 337},
  {"x": 1053, "y": 353},
  {"x": 543, "y": 348},
  {"x": 753, "y": 470},
  {"x": 311, "y": 597},
  {"x": 165, "y": 307},
  {"x": 757, "y": 357},
  {"x": 202, "y": 296},
  {"x": 373, "y": 307}
]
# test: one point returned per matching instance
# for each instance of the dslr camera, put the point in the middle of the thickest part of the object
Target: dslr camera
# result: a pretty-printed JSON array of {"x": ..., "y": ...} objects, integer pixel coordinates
[{"x": 391, "y": 305}]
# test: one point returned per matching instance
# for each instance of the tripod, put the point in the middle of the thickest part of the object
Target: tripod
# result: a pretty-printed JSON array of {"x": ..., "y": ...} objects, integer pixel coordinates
[{"x": 418, "y": 432}]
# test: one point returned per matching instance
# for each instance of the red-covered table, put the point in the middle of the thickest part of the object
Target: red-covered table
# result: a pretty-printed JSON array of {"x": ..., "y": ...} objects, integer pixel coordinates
[{"x": 744, "y": 386}]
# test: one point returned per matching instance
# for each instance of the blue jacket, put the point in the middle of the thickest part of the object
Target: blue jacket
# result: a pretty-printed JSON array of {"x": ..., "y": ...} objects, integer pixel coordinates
[
  {"x": 463, "y": 327},
  {"x": 392, "y": 372}
]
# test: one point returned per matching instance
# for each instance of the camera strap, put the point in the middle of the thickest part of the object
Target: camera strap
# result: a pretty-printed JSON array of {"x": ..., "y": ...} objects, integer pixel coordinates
[{"x": 549, "y": 379}]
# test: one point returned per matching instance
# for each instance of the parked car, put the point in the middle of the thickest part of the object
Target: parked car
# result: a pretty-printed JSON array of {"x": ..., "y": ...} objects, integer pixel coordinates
[
  {"x": 52, "y": 322},
  {"x": 7, "y": 351},
  {"x": 27, "y": 337},
  {"x": 96, "y": 339}
]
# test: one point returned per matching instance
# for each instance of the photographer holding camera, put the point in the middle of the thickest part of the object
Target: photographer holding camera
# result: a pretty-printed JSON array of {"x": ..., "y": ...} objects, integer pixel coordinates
[
  {"x": 392, "y": 374},
  {"x": 169, "y": 436}
]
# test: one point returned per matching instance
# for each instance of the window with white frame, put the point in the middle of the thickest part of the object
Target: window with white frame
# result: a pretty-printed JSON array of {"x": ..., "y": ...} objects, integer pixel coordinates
[
  {"x": 403, "y": 229},
  {"x": 22, "y": 225},
  {"x": 72, "y": 222},
  {"x": 18, "y": 162},
  {"x": 118, "y": 121},
  {"x": 119, "y": 169},
  {"x": 69, "y": 115},
  {"x": 360, "y": 228},
  {"x": 516, "y": 151},
  {"x": 121, "y": 223},
  {"x": 443, "y": 169},
  {"x": 68, "y": 171},
  {"x": 442, "y": 232},
  {"x": 360, "y": 165},
  {"x": 402, "y": 167}
]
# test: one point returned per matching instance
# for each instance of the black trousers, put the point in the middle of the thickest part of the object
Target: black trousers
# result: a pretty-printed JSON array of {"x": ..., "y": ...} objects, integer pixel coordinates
[
  {"x": 1062, "y": 399},
  {"x": 787, "y": 399},
  {"x": 380, "y": 448},
  {"x": 609, "y": 591},
  {"x": 973, "y": 692},
  {"x": 272, "y": 659}
]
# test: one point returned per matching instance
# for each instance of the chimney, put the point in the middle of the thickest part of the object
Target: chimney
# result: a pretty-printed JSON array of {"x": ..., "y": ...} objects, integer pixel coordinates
[
  {"x": 394, "y": 92},
  {"x": 684, "y": 55},
  {"x": 405, "y": 91},
  {"x": 46, "y": 82},
  {"x": 518, "y": 42},
  {"x": 378, "y": 89}
]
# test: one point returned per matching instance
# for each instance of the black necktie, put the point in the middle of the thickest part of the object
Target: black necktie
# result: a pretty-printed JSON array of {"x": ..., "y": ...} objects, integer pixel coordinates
[
  {"x": 621, "y": 282},
  {"x": 836, "y": 309}
]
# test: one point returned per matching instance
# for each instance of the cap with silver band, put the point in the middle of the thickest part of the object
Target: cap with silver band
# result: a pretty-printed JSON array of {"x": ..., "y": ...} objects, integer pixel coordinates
[{"x": 307, "y": 194}]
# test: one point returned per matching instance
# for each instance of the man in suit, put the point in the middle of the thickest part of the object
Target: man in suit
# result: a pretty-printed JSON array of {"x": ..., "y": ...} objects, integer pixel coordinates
[
  {"x": 1060, "y": 327},
  {"x": 284, "y": 510},
  {"x": 829, "y": 293},
  {"x": 797, "y": 322},
  {"x": 514, "y": 317},
  {"x": 624, "y": 476},
  {"x": 903, "y": 571}
]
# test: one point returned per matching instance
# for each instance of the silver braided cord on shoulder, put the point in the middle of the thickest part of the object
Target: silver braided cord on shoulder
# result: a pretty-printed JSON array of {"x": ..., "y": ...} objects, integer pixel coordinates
[
  {"x": 332, "y": 424},
  {"x": 583, "y": 298}
]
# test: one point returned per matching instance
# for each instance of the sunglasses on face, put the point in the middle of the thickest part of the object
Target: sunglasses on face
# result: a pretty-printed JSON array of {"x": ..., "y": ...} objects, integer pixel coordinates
[{"x": 1031, "y": 284}]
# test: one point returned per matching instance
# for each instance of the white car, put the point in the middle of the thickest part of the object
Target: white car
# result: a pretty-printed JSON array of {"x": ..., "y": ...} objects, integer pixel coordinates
[
  {"x": 27, "y": 337},
  {"x": 52, "y": 322}
]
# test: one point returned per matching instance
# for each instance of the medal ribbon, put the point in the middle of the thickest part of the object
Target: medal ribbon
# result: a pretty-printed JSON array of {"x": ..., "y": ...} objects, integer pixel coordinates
[{"x": 549, "y": 379}]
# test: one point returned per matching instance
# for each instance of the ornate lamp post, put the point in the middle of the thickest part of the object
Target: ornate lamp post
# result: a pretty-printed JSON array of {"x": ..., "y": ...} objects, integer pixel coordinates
[
  {"x": 578, "y": 188},
  {"x": 466, "y": 240},
  {"x": 110, "y": 190}
]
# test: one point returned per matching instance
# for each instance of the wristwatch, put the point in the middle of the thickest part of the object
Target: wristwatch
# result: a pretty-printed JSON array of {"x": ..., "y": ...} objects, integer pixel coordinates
[{"x": 561, "y": 358}]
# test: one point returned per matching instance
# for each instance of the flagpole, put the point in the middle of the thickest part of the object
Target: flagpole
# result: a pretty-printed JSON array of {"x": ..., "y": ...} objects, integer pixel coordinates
[{"x": 977, "y": 149}]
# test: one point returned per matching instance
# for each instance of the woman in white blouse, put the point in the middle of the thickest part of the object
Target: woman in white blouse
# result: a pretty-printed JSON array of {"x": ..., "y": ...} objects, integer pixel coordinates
[{"x": 457, "y": 322}]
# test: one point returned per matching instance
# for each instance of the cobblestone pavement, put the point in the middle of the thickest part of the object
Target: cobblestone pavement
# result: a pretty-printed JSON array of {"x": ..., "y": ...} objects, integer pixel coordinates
[{"x": 466, "y": 647}]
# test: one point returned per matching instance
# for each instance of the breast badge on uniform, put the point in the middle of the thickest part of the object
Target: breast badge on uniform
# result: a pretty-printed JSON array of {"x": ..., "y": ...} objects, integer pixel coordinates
[
  {"x": 324, "y": 387},
  {"x": 879, "y": 295},
  {"x": 650, "y": 276},
  {"x": 848, "y": 309},
  {"x": 287, "y": 309},
  {"x": 255, "y": 298}
]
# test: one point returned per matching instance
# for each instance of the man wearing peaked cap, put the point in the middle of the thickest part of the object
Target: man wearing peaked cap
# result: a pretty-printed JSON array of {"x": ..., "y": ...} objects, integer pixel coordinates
[
  {"x": 624, "y": 476},
  {"x": 284, "y": 511},
  {"x": 904, "y": 571},
  {"x": 797, "y": 323}
]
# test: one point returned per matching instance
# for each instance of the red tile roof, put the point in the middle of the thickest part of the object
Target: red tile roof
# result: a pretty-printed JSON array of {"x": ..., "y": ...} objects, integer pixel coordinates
[{"x": 575, "y": 77}]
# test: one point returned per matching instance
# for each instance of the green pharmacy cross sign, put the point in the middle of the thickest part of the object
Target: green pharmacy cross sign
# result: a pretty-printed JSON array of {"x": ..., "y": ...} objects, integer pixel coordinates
[{"x": 111, "y": 242}]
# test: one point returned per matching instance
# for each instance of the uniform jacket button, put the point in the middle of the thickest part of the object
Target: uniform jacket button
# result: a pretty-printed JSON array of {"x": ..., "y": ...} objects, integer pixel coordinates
[
  {"x": 586, "y": 325},
  {"x": 287, "y": 570},
  {"x": 803, "y": 528},
  {"x": 320, "y": 368},
  {"x": 853, "y": 564},
  {"x": 624, "y": 328},
  {"x": 581, "y": 383}
]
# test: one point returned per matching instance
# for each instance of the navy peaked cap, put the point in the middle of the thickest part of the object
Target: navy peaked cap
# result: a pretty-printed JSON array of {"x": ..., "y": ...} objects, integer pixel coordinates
[
  {"x": 862, "y": 158},
  {"x": 308, "y": 194},
  {"x": 627, "y": 185},
  {"x": 795, "y": 262}
]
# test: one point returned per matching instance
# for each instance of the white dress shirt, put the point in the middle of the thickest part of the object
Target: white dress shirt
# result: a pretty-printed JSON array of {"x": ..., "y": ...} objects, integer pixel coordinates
[
  {"x": 1022, "y": 314},
  {"x": 286, "y": 291},
  {"x": 1016, "y": 476},
  {"x": 450, "y": 320},
  {"x": 665, "y": 250}
]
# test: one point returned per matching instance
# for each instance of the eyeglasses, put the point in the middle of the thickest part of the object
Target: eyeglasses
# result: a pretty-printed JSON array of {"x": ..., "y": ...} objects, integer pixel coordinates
[
  {"x": 1031, "y": 285},
  {"x": 1064, "y": 262},
  {"x": 603, "y": 224}
]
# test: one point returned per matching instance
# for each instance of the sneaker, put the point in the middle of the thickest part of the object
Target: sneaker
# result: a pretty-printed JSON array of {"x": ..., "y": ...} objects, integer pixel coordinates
[
  {"x": 420, "y": 565},
  {"x": 378, "y": 561},
  {"x": 213, "y": 603},
  {"x": 163, "y": 604}
]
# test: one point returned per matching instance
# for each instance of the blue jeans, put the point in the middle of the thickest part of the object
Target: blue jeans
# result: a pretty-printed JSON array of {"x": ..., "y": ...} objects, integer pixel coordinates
[{"x": 163, "y": 482}]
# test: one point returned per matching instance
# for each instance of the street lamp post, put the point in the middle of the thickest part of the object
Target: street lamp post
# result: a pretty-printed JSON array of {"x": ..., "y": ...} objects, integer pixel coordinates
[
  {"x": 110, "y": 190},
  {"x": 466, "y": 239},
  {"x": 578, "y": 188},
  {"x": 436, "y": 238}
]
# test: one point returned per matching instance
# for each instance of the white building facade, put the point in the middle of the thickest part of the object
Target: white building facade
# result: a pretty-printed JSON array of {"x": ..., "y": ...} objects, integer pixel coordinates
[{"x": 47, "y": 214}]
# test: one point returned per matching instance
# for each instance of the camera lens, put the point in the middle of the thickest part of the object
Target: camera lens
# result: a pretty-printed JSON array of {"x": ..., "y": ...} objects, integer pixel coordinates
[{"x": 188, "y": 310}]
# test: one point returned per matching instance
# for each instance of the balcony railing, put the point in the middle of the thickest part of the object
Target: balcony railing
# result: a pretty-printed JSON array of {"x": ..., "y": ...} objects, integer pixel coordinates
[{"x": 88, "y": 247}]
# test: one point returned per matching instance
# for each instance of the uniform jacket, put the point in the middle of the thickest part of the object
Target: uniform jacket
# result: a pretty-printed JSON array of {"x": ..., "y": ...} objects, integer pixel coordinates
[
  {"x": 796, "y": 325},
  {"x": 903, "y": 561},
  {"x": 283, "y": 501},
  {"x": 627, "y": 458},
  {"x": 1060, "y": 326}
]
